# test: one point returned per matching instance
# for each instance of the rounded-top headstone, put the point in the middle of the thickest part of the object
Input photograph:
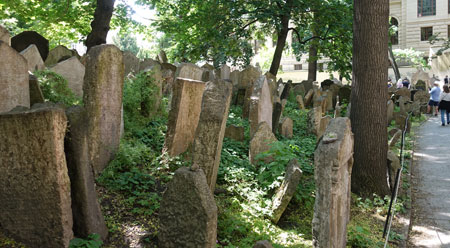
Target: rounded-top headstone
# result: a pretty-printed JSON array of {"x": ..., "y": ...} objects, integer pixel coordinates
[
  {"x": 23, "y": 40},
  {"x": 56, "y": 54}
]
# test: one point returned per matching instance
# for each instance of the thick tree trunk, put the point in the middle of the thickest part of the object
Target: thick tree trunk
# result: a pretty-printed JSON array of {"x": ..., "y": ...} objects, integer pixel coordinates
[
  {"x": 281, "y": 40},
  {"x": 312, "y": 62},
  {"x": 100, "y": 24},
  {"x": 393, "y": 64},
  {"x": 369, "y": 97}
]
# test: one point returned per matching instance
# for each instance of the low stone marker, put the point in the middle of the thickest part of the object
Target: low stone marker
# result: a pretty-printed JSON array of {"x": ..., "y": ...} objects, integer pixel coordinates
[
  {"x": 210, "y": 131},
  {"x": 14, "y": 79},
  {"x": 188, "y": 212},
  {"x": 287, "y": 128},
  {"x": 35, "y": 206},
  {"x": 36, "y": 95},
  {"x": 87, "y": 216},
  {"x": 73, "y": 71},
  {"x": 234, "y": 132},
  {"x": 333, "y": 160},
  {"x": 260, "y": 106},
  {"x": 103, "y": 86},
  {"x": 4, "y": 35},
  {"x": 23, "y": 40},
  {"x": 184, "y": 115},
  {"x": 263, "y": 244},
  {"x": 261, "y": 141},
  {"x": 287, "y": 190},
  {"x": 34, "y": 60},
  {"x": 131, "y": 63},
  {"x": 301, "y": 104},
  {"x": 57, "y": 54}
]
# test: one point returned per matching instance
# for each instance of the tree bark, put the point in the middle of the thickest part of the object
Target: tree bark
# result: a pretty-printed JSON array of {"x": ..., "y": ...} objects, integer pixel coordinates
[
  {"x": 393, "y": 64},
  {"x": 369, "y": 97},
  {"x": 281, "y": 40},
  {"x": 100, "y": 24},
  {"x": 312, "y": 62}
]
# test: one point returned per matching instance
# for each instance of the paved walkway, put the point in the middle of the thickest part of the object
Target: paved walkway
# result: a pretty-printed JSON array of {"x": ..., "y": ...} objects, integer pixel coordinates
[{"x": 431, "y": 186}]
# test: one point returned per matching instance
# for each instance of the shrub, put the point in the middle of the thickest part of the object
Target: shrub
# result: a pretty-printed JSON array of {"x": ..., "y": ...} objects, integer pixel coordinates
[{"x": 55, "y": 88}]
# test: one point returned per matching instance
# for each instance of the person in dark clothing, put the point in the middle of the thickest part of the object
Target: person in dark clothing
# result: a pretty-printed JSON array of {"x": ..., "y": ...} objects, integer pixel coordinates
[
  {"x": 446, "y": 79},
  {"x": 406, "y": 83},
  {"x": 444, "y": 104}
]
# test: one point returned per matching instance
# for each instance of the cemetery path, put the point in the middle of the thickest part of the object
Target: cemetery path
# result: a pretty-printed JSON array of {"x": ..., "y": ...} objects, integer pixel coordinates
[{"x": 430, "y": 224}]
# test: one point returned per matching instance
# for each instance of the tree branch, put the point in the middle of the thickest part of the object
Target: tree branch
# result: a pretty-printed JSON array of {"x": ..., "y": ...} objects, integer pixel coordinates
[{"x": 311, "y": 38}]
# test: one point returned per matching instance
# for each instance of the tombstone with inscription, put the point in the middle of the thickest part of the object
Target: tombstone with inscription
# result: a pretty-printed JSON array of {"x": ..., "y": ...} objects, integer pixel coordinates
[{"x": 261, "y": 106}]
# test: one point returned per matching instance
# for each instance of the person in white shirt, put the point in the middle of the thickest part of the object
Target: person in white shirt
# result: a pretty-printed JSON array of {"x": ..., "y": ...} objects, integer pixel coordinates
[{"x": 444, "y": 104}]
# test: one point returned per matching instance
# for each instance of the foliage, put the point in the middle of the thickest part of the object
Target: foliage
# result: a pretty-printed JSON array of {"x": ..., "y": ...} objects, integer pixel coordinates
[
  {"x": 444, "y": 43},
  {"x": 55, "y": 88},
  {"x": 126, "y": 42},
  {"x": 411, "y": 56},
  {"x": 93, "y": 241}
]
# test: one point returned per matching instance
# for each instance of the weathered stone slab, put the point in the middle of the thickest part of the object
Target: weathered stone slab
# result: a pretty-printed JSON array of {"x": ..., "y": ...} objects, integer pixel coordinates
[
  {"x": 146, "y": 63},
  {"x": 154, "y": 80},
  {"x": 34, "y": 60},
  {"x": 188, "y": 212},
  {"x": 234, "y": 77},
  {"x": 23, "y": 40},
  {"x": 103, "y": 88},
  {"x": 208, "y": 67},
  {"x": 263, "y": 244},
  {"x": 184, "y": 115},
  {"x": 74, "y": 72},
  {"x": 58, "y": 54},
  {"x": 315, "y": 117},
  {"x": 208, "y": 75},
  {"x": 421, "y": 75},
  {"x": 307, "y": 85},
  {"x": 287, "y": 128},
  {"x": 14, "y": 79},
  {"x": 405, "y": 92},
  {"x": 276, "y": 115},
  {"x": 309, "y": 98},
  {"x": 287, "y": 190},
  {"x": 333, "y": 161},
  {"x": 189, "y": 71},
  {"x": 395, "y": 138},
  {"x": 261, "y": 141},
  {"x": 162, "y": 57},
  {"x": 168, "y": 74},
  {"x": 393, "y": 164},
  {"x": 247, "y": 79},
  {"x": 234, "y": 132},
  {"x": 390, "y": 111},
  {"x": 301, "y": 104},
  {"x": 36, "y": 95},
  {"x": 344, "y": 94},
  {"x": 4, "y": 35},
  {"x": 210, "y": 131},
  {"x": 261, "y": 106},
  {"x": 131, "y": 63},
  {"x": 35, "y": 206},
  {"x": 87, "y": 216},
  {"x": 225, "y": 71},
  {"x": 400, "y": 121},
  {"x": 422, "y": 97},
  {"x": 324, "y": 121}
]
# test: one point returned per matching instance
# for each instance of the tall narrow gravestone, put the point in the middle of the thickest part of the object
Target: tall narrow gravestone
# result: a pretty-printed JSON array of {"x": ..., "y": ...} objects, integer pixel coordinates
[
  {"x": 211, "y": 128},
  {"x": 35, "y": 206},
  {"x": 184, "y": 115},
  {"x": 261, "y": 106},
  {"x": 103, "y": 86},
  {"x": 333, "y": 160},
  {"x": 14, "y": 85}
]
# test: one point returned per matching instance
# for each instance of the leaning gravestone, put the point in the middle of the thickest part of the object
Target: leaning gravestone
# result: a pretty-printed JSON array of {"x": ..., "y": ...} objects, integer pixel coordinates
[
  {"x": 247, "y": 79},
  {"x": 36, "y": 95},
  {"x": 286, "y": 190},
  {"x": 35, "y": 206},
  {"x": 4, "y": 35},
  {"x": 309, "y": 98},
  {"x": 184, "y": 115},
  {"x": 333, "y": 160},
  {"x": 103, "y": 86},
  {"x": 34, "y": 60},
  {"x": 87, "y": 216},
  {"x": 234, "y": 133},
  {"x": 301, "y": 104},
  {"x": 23, "y": 40},
  {"x": 261, "y": 106},
  {"x": 162, "y": 57},
  {"x": 14, "y": 79},
  {"x": 73, "y": 71},
  {"x": 146, "y": 63},
  {"x": 131, "y": 63},
  {"x": 188, "y": 212},
  {"x": 56, "y": 54},
  {"x": 261, "y": 141},
  {"x": 287, "y": 128},
  {"x": 211, "y": 128}
]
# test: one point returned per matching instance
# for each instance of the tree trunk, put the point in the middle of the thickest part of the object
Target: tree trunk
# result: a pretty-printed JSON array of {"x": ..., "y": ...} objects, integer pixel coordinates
[
  {"x": 394, "y": 64},
  {"x": 100, "y": 24},
  {"x": 369, "y": 97},
  {"x": 281, "y": 40},
  {"x": 312, "y": 62}
]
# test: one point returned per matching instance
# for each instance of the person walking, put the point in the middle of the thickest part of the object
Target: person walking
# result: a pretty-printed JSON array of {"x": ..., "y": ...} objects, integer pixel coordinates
[
  {"x": 435, "y": 93},
  {"x": 446, "y": 79},
  {"x": 444, "y": 105},
  {"x": 399, "y": 84}
]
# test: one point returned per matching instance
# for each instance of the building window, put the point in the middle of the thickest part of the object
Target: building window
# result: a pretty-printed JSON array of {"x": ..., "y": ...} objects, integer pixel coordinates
[
  {"x": 426, "y": 33},
  {"x": 298, "y": 67},
  {"x": 426, "y": 7},
  {"x": 394, "y": 26}
]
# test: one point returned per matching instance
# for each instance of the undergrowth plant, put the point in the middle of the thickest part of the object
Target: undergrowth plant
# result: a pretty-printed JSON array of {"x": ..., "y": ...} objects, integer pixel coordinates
[{"x": 55, "y": 88}]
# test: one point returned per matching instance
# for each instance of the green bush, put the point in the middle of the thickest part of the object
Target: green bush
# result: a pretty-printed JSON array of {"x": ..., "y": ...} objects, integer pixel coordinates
[
  {"x": 93, "y": 241},
  {"x": 55, "y": 88}
]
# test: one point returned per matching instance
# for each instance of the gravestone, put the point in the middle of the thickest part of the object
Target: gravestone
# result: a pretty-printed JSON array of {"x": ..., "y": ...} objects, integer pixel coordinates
[
  {"x": 56, "y": 54},
  {"x": 400, "y": 121},
  {"x": 402, "y": 104},
  {"x": 344, "y": 94},
  {"x": 4, "y": 35},
  {"x": 421, "y": 85},
  {"x": 261, "y": 141},
  {"x": 315, "y": 117},
  {"x": 393, "y": 164},
  {"x": 34, "y": 60},
  {"x": 324, "y": 121},
  {"x": 184, "y": 115},
  {"x": 260, "y": 106},
  {"x": 276, "y": 115},
  {"x": 146, "y": 63},
  {"x": 423, "y": 76},
  {"x": 131, "y": 63},
  {"x": 210, "y": 131},
  {"x": 247, "y": 79},
  {"x": 301, "y": 104},
  {"x": 287, "y": 128},
  {"x": 329, "y": 101},
  {"x": 188, "y": 212},
  {"x": 14, "y": 79},
  {"x": 23, "y": 40},
  {"x": 299, "y": 89},
  {"x": 309, "y": 98},
  {"x": 326, "y": 84},
  {"x": 234, "y": 132},
  {"x": 287, "y": 190},
  {"x": 333, "y": 161},
  {"x": 152, "y": 102},
  {"x": 390, "y": 111},
  {"x": 36, "y": 95},
  {"x": 74, "y": 72},
  {"x": 35, "y": 206},
  {"x": 307, "y": 85},
  {"x": 168, "y": 74},
  {"x": 162, "y": 57},
  {"x": 87, "y": 216},
  {"x": 395, "y": 138},
  {"x": 422, "y": 97},
  {"x": 405, "y": 92},
  {"x": 225, "y": 72},
  {"x": 189, "y": 71},
  {"x": 208, "y": 75},
  {"x": 263, "y": 244},
  {"x": 208, "y": 67},
  {"x": 103, "y": 87},
  {"x": 273, "y": 84}
]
